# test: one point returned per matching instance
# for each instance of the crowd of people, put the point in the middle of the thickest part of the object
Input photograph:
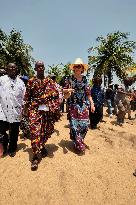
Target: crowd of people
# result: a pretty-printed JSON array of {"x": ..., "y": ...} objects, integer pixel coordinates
[
  {"x": 34, "y": 105},
  {"x": 119, "y": 101}
]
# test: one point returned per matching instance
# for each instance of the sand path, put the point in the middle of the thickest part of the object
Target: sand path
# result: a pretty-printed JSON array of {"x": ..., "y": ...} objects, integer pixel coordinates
[{"x": 103, "y": 176}]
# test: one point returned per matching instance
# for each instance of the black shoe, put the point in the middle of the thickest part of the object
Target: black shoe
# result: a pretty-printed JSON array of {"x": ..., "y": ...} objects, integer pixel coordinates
[
  {"x": 5, "y": 152},
  {"x": 12, "y": 154}
]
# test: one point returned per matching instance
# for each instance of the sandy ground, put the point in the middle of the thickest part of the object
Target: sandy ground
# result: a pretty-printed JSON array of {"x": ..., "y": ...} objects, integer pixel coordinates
[{"x": 104, "y": 175}]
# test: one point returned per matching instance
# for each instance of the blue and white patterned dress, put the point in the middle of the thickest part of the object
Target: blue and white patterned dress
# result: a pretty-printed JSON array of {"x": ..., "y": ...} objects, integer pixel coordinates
[{"x": 78, "y": 107}]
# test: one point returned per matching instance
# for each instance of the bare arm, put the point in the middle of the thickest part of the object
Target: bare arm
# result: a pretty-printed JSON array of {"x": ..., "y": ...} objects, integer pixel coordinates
[
  {"x": 90, "y": 100},
  {"x": 92, "y": 103}
]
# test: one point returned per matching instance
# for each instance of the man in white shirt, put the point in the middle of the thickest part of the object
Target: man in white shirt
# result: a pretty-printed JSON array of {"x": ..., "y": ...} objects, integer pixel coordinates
[{"x": 12, "y": 91}]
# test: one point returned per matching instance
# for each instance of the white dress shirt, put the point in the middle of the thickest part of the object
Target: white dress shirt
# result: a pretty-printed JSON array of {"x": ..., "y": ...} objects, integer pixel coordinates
[{"x": 11, "y": 98}]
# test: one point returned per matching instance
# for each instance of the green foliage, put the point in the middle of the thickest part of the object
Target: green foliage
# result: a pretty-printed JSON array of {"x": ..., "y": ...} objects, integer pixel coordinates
[
  {"x": 55, "y": 70},
  {"x": 14, "y": 50},
  {"x": 112, "y": 54},
  {"x": 59, "y": 71},
  {"x": 91, "y": 82},
  {"x": 66, "y": 70}
]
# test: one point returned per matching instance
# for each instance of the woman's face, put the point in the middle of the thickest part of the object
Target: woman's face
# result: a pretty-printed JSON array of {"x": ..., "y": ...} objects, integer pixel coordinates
[{"x": 78, "y": 69}]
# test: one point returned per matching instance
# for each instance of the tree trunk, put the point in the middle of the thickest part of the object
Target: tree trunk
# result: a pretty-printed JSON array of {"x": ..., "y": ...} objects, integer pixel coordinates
[
  {"x": 110, "y": 77},
  {"x": 105, "y": 80}
]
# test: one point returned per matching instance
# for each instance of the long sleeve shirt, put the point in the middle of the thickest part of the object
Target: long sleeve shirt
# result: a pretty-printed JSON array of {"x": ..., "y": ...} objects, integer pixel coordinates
[{"x": 11, "y": 98}]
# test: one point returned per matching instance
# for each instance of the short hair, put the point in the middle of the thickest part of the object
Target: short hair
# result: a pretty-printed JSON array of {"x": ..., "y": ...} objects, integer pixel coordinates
[{"x": 39, "y": 62}]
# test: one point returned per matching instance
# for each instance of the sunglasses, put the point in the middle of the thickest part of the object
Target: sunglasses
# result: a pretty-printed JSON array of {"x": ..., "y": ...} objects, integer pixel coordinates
[{"x": 77, "y": 66}]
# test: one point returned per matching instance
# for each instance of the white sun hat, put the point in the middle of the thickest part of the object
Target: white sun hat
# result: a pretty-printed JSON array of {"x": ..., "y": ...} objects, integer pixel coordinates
[{"x": 79, "y": 61}]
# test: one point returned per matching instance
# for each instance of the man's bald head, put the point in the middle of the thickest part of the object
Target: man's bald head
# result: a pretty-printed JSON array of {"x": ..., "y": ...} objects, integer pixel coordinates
[
  {"x": 39, "y": 64},
  {"x": 39, "y": 67}
]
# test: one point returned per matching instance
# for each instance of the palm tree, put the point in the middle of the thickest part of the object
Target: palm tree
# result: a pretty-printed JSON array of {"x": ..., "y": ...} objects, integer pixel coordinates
[
  {"x": 55, "y": 70},
  {"x": 59, "y": 71},
  {"x": 113, "y": 54}
]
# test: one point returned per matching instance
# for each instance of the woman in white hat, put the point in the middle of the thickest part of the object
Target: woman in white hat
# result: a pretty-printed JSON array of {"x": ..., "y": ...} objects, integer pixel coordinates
[{"x": 78, "y": 104}]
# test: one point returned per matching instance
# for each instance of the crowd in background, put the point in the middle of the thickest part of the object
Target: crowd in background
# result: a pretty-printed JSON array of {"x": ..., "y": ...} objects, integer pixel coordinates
[{"x": 35, "y": 104}]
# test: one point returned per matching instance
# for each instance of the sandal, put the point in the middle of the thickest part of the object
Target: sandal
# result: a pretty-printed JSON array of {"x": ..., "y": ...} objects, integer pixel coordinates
[{"x": 34, "y": 164}]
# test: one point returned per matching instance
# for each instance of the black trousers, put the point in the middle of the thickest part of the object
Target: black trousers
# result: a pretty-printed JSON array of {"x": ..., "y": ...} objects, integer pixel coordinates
[
  {"x": 12, "y": 138},
  {"x": 96, "y": 117}
]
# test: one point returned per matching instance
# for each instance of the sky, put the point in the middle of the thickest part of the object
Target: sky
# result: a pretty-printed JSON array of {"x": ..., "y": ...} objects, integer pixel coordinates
[{"x": 61, "y": 30}]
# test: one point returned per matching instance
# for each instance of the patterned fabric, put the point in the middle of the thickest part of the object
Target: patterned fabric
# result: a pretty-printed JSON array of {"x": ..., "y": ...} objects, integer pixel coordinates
[
  {"x": 123, "y": 108},
  {"x": 123, "y": 105},
  {"x": 78, "y": 106},
  {"x": 11, "y": 98},
  {"x": 97, "y": 94},
  {"x": 59, "y": 88},
  {"x": 24, "y": 126},
  {"x": 41, "y": 123},
  {"x": 41, "y": 126},
  {"x": 40, "y": 92},
  {"x": 134, "y": 96}
]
